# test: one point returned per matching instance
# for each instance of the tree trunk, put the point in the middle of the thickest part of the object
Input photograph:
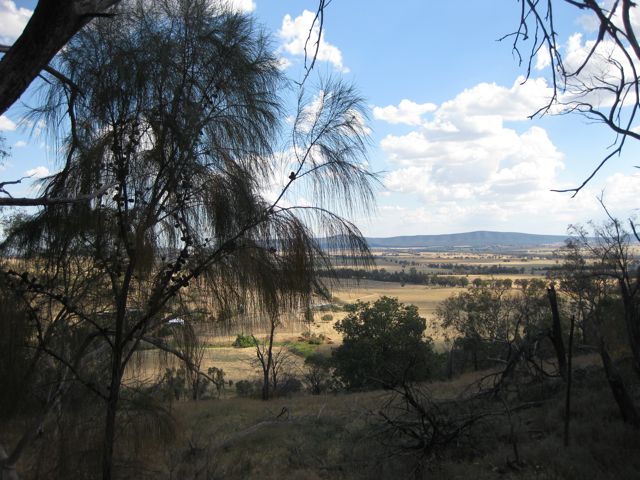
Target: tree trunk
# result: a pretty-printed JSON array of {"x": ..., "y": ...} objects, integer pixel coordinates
[
  {"x": 110, "y": 422},
  {"x": 51, "y": 26},
  {"x": 476, "y": 367},
  {"x": 450, "y": 362},
  {"x": 267, "y": 366},
  {"x": 7, "y": 470},
  {"x": 567, "y": 405},
  {"x": 623, "y": 399},
  {"x": 556, "y": 332},
  {"x": 631, "y": 322}
]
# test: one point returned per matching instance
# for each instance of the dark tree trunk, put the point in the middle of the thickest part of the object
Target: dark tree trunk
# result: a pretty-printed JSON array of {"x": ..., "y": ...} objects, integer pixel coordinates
[
  {"x": 567, "y": 405},
  {"x": 618, "y": 388},
  {"x": 632, "y": 323},
  {"x": 51, "y": 26},
  {"x": 450, "y": 362},
  {"x": 556, "y": 332},
  {"x": 267, "y": 365},
  {"x": 110, "y": 422}
]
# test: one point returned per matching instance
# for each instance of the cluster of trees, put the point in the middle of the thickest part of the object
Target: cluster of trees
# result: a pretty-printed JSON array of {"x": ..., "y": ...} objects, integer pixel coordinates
[
  {"x": 531, "y": 332},
  {"x": 413, "y": 276},
  {"x": 489, "y": 323},
  {"x": 469, "y": 269},
  {"x": 168, "y": 122}
]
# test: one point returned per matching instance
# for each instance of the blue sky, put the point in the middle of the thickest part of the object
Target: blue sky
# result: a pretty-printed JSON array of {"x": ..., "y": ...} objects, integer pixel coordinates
[{"x": 448, "y": 115}]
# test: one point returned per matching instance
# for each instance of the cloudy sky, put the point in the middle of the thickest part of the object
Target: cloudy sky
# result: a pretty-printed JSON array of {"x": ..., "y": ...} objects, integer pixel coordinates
[{"x": 449, "y": 114}]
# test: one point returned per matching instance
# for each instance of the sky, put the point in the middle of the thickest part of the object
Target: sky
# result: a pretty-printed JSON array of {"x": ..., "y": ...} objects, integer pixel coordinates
[{"x": 449, "y": 108}]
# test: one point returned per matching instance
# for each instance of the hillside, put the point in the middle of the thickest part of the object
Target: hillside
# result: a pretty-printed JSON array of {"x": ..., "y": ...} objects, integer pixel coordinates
[{"x": 475, "y": 240}]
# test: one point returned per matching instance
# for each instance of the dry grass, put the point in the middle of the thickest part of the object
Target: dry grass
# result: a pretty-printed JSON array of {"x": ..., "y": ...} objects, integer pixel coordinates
[
  {"x": 425, "y": 298},
  {"x": 334, "y": 436}
]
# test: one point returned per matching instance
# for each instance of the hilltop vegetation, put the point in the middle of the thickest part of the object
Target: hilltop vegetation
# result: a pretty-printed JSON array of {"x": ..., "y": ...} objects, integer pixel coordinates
[{"x": 162, "y": 230}]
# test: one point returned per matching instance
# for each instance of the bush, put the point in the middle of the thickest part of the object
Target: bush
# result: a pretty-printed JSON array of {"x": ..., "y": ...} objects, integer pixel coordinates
[
  {"x": 382, "y": 345},
  {"x": 173, "y": 384},
  {"x": 319, "y": 374},
  {"x": 217, "y": 379},
  {"x": 244, "y": 341},
  {"x": 314, "y": 338},
  {"x": 327, "y": 317},
  {"x": 287, "y": 387},
  {"x": 248, "y": 388}
]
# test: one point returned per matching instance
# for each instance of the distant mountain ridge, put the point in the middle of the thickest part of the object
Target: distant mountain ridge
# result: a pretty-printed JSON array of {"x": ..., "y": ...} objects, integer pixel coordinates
[{"x": 478, "y": 239}]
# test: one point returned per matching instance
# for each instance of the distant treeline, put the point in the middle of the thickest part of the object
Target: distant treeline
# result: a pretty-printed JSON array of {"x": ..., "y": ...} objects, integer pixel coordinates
[
  {"x": 465, "y": 269},
  {"x": 413, "y": 276},
  {"x": 452, "y": 268}
]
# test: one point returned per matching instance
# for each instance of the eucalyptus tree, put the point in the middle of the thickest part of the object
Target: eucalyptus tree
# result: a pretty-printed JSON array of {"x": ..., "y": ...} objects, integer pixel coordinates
[
  {"x": 174, "y": 112},
  {"x": 598, "y": 278}
]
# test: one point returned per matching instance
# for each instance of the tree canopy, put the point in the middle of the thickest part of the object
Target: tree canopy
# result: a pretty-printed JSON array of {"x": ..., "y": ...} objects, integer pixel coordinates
[
  {"x": 383, "y": 345},
  {"x": 173, "y": 114}
]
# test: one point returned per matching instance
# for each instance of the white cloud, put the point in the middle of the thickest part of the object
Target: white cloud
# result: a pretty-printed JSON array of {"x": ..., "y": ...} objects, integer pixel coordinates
[
  {"x": 294, "y": 34},
  {"x": 602, "y": 69},
  {"x": 241, "y": 5},
  {"x": 407, "y": 112},
  {"x": 38, "y": 172},
  {"x": 491, "y": 100},
  {"x": 543, "y": 59},
  {"x": 6, "y": 124},
  {"x": 12, "y": 21},
  {"x": 284, "y": 63},
  {"x": 469, "y": 168},
  {"x": 20, "y": 144}
]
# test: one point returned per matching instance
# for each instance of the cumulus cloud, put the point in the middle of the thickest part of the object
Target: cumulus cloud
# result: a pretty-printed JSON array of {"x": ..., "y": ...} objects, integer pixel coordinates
[
  {"x": 407, "y": 112},
  {"x": 38, "y": 172},
  {"x": 12, "y": 21},
  {"x": 20, "y": 144},
  {"x": 6, "y": 124},
  {"x": 294, "y": 33},
  {"x": 470, "y": 165},
  {"x": 604, "y": 66},
  {"x": 241, "y": 5}
]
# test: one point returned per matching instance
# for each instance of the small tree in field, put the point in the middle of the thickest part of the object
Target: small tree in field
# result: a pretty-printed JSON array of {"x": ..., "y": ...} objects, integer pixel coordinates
[{"x": 383, "y": 345}]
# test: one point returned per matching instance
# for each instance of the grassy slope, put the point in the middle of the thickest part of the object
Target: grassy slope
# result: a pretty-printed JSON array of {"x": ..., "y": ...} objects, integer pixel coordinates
[{"x": 333, "y": 436}]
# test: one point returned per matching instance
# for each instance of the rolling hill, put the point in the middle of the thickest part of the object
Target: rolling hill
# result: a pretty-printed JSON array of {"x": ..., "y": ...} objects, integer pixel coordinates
[{"x": 475, "y": 240}]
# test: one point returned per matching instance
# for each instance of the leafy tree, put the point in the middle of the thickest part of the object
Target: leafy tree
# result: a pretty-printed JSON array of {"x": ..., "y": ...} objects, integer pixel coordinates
[
  {"x": 477, "y": 319},
  {"x": 318, "y": 374},
  {"x": 383, "y": 345},
  {"x": 174, "y": 113},
  {"x": 492, "y": 324}
]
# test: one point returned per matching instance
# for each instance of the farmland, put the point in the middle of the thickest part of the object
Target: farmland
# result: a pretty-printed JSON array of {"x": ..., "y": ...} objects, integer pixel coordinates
[{"x": 237, "y": 362}]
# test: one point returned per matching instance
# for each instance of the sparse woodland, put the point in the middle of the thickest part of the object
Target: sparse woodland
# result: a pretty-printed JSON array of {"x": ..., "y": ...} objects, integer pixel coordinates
[{"x": 173, "y": 215}]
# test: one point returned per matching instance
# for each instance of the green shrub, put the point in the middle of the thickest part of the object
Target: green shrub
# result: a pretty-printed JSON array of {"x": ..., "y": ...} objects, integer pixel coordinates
[
  {"x": 327, "y": 317},
  {"x": 248, "y": 388},
  {"x": 318, "y": 374},
  {"x": 289, "y": 386},
  {"x": 382, "y": 345},
  {"x": 173, "y": 384},
  {"x": 244, "y": 341}
]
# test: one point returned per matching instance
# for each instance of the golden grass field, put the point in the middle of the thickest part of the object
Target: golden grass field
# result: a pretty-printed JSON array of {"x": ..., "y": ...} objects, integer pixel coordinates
[{"x": 237, "y": 362}]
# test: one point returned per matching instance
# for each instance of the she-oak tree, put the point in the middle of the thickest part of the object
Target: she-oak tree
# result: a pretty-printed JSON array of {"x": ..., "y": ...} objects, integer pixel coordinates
[{"x": 176, "y": 116}]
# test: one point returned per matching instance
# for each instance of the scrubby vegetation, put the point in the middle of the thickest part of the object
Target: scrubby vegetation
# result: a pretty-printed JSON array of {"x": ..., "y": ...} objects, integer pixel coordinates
[{"x": 162, "y": 231}]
